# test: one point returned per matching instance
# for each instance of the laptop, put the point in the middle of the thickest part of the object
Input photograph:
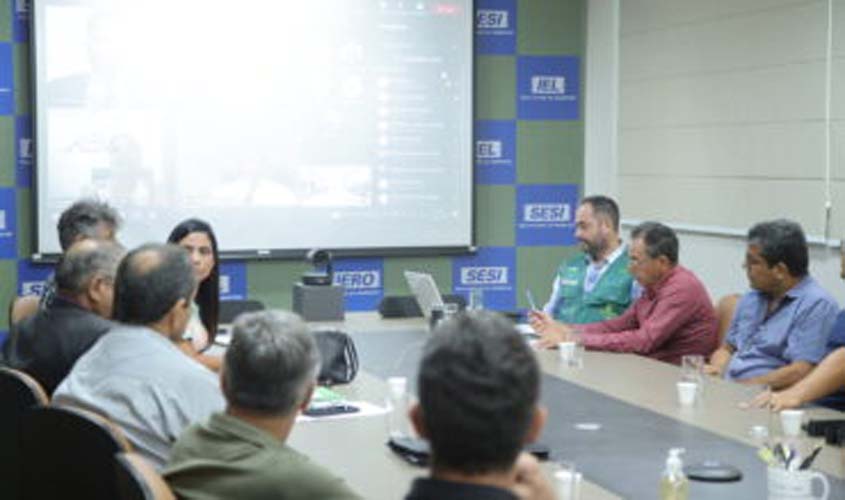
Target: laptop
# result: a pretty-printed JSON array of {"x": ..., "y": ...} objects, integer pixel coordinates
[{"x": 425, "y": 290}]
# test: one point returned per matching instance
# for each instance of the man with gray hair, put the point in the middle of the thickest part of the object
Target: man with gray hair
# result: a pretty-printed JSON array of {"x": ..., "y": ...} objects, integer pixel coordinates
[
  {"x": 48, "y": 344},
  {"x": 780, "y": 328},
  {"x": 269, "y": 373},
  {"x": 136, "y": 375},
  {"x": 86, "y": 219}
]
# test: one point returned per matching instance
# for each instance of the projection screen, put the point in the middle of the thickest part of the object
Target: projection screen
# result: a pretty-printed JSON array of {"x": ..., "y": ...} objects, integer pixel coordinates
[{"x": 343, "y": 124}]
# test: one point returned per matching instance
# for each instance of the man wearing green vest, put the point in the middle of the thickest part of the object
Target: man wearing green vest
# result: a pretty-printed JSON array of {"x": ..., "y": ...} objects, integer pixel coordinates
[{"x": 594, "y": 285}]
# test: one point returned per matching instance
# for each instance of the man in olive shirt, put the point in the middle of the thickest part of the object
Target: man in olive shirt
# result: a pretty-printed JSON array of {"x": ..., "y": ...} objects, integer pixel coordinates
[{"x": 268, "y": 375}]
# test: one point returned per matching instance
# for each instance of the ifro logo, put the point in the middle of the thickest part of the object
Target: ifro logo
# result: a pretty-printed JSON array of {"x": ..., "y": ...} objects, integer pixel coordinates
[
  {"x": 546, "y": 212},
  {"x": 491, "y": 19},
  {"x": 358, "y": 280},
  {"x": 488, "y": 150},
  {"x": 548, "y": 85},
  {"x": 484, "y": 275},
  {"x": 33, "y": 287}
]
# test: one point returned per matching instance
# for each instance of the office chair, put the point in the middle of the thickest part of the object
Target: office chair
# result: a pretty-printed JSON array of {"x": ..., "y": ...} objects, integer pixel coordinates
[
  {"x": 69, "y": 453},
  {"x": 19, "y": 393},
  {"x": 138, "y": 480}
]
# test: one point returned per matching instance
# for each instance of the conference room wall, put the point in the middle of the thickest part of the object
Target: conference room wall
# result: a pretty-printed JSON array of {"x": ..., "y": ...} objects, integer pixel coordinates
[
  {"x": 549, "y": 153},
  {"x": 716, "y": 259}
]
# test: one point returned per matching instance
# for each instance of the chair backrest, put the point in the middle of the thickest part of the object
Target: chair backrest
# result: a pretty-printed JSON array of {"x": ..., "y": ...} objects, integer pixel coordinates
[
  {"x": 69, "y": 453},
  {"x": 19, "y": 393},
  {"x": 725, "y": 309},
  {"x": 138, "y": 480},
  {"x": 230, "y": 309}
]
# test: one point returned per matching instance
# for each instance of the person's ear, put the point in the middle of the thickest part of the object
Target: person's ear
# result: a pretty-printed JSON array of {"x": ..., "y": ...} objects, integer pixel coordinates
[
  {"x": 538, "y": 421},
  {"x": 308, "y": 395},
  {"x": 781, "y": 271},
  {"x": 175, "y": 318},
  {"x": 416, "y": 416},
  {"x": 94, "y": 290}
]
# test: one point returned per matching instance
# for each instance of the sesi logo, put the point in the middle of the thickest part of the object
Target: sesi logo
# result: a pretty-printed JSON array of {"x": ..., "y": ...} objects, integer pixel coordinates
[
  {"x": 546, "y": 212},
  {"x": 486, "y": 275},
  {"x": 491, "y": 19},
  {"x": 33, "y": 287}
]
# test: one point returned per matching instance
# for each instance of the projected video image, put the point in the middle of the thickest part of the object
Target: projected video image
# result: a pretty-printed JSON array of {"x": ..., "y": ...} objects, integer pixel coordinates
[{"x": 345, "y": 115}]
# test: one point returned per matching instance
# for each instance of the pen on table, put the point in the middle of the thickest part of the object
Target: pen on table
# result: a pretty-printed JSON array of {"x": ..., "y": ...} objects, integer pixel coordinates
[
  {"x": 531, "y": 303},
  {"x": 809, "y": 460}
]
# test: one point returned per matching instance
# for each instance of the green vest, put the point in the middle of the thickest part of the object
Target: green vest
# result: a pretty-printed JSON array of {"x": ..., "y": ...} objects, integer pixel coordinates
[{"x": 608, "y": 299}]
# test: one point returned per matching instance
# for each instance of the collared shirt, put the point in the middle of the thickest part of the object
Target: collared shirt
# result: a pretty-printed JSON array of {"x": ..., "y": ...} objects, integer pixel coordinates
[
  {"x": 671, "y": 319},
  {"x": 229, "y": 458},
  {"x": 47, "y": 344},
  {"x": 437, "y": 489},
  {"x": 796, "y": 331},
  {"x": 142, "y": 382},
  {"x": 595, "y": 270}
]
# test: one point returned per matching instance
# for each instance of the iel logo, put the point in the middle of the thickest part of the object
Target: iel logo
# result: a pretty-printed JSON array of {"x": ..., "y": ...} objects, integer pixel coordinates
[
  {"x": 488, "y": 150},
  {"x": 548, "y": 85}
]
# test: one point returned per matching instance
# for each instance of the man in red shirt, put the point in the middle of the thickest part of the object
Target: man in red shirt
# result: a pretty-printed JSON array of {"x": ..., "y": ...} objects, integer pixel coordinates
[{"x": 672, "y": 318}]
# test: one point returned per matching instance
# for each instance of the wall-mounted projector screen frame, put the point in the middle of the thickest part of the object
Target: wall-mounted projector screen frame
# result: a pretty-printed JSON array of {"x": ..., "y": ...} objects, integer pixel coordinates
[{"x": 289, "y": 126}]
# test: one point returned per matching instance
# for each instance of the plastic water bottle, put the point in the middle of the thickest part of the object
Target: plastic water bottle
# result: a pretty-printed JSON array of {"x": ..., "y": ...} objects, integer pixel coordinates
[
  {"x": 397, "y": 408},
  {"x": 674, "y": 484}
]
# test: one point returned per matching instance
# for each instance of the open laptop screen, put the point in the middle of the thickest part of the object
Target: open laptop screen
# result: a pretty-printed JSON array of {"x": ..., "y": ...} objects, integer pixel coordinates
[{"x": 425, "y": 290}]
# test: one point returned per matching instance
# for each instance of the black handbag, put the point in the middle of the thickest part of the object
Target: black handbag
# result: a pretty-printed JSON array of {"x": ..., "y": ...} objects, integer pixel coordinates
[{"x": 339, "y": 359}]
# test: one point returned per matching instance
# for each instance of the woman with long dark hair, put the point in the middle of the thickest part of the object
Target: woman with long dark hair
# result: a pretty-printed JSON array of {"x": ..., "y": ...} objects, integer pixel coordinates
[{"x": 197, "y": 237}]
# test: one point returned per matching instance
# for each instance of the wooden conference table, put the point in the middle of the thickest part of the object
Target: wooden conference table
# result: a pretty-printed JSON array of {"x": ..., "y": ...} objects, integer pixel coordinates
[{"x": 615, "y": 418}]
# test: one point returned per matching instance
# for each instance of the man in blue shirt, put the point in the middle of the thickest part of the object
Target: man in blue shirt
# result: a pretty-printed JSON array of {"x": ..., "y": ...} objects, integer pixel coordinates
[
  {"x": 825, "y": 385},
  {"x": 780, "y": 329}
]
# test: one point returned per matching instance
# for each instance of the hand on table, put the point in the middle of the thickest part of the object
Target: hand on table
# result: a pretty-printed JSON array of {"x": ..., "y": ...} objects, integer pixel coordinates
[
  {"x": 714, "y": 370},
  {"x": 776, "y": 401},
  {"x": 551, "y": 332}
]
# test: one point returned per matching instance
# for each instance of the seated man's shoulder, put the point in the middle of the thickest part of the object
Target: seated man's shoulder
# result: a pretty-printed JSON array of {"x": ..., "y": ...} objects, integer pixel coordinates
[{"x": 295, "y": 472}]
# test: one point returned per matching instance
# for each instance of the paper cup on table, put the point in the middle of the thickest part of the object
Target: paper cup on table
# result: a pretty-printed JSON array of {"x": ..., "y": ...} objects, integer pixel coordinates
[
  {"x": 790, "y": 422},
  {"x": 566, "y": 351},
  {"x": 687, "y": 392}
]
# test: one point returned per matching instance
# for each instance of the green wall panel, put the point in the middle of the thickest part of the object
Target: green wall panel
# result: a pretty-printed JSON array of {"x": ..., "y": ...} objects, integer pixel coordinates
[
  {"x": 8, "y": 289},
  {"x": 550, "y": 152},
  {"x": 5, "y": 20},
  {"x": 25, "y": 229},
  {"x": 22, "y": 79},
  {"x": 7, "y": 151},
  {"x": 495, "y": 207},
  {"x": 495, "y": 88},
  {"x": 272, "y": 282},
  {"x": 547, "y": 27}
]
